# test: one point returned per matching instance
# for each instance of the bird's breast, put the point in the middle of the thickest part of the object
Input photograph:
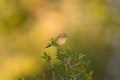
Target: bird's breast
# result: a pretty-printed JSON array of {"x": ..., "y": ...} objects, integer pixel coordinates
[{"x": 60, "y": 41}]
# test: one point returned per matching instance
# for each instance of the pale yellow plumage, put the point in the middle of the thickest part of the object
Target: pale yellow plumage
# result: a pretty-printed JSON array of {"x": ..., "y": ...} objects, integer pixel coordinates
[{"x": 60, "y": 40}]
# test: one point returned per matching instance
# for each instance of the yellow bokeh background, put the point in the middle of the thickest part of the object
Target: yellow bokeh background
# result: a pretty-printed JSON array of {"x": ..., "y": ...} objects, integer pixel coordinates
[{"x": 27, "y": 25}]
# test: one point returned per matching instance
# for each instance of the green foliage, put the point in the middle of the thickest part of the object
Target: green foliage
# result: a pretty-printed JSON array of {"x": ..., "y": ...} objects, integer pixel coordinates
[
  {"x": 39, "y": 76},
  {"x": 46, "y": 57},
  {"x": 72, "y": 66},
  {"x": 53, "y": 42}
]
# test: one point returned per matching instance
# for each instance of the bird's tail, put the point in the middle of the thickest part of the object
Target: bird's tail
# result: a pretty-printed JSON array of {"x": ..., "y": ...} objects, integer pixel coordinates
[{"x": 48, "y": 46}]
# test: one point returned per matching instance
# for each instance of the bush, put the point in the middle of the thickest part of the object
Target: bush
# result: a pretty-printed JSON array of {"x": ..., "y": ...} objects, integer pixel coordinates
[{"x": 71, "y": 67}]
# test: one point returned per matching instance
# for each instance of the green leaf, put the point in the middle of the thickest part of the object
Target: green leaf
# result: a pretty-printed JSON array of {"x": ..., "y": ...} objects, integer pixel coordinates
[
  {"x": 39, "y": 76},
  {"x": 47, "y": 57},
  {"x": 53, "y": 42}
]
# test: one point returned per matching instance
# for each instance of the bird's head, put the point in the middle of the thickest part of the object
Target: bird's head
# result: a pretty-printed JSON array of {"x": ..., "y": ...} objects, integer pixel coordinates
[{"x": 63, "y": 35}]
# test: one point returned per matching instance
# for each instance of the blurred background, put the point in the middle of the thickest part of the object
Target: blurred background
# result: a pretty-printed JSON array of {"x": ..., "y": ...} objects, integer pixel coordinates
[{"x": 26, "y": 26}]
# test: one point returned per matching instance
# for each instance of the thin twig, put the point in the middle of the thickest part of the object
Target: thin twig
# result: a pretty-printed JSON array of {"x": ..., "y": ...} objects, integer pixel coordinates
[
  {"x": 78, "y": 63},
  {"x": 53, "y": 73}
]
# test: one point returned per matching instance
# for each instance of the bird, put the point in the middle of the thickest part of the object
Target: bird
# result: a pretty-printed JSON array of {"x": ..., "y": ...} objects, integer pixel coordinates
[{"x": 59, "y": 40}]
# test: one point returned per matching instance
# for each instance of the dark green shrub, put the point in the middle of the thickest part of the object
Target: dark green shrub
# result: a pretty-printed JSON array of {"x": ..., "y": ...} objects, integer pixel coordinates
[{"x": 71, "y": 66}]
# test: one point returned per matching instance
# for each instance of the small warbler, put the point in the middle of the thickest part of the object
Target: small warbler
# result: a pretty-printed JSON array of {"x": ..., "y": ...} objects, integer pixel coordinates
[{"x": 59, "y": 40}]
